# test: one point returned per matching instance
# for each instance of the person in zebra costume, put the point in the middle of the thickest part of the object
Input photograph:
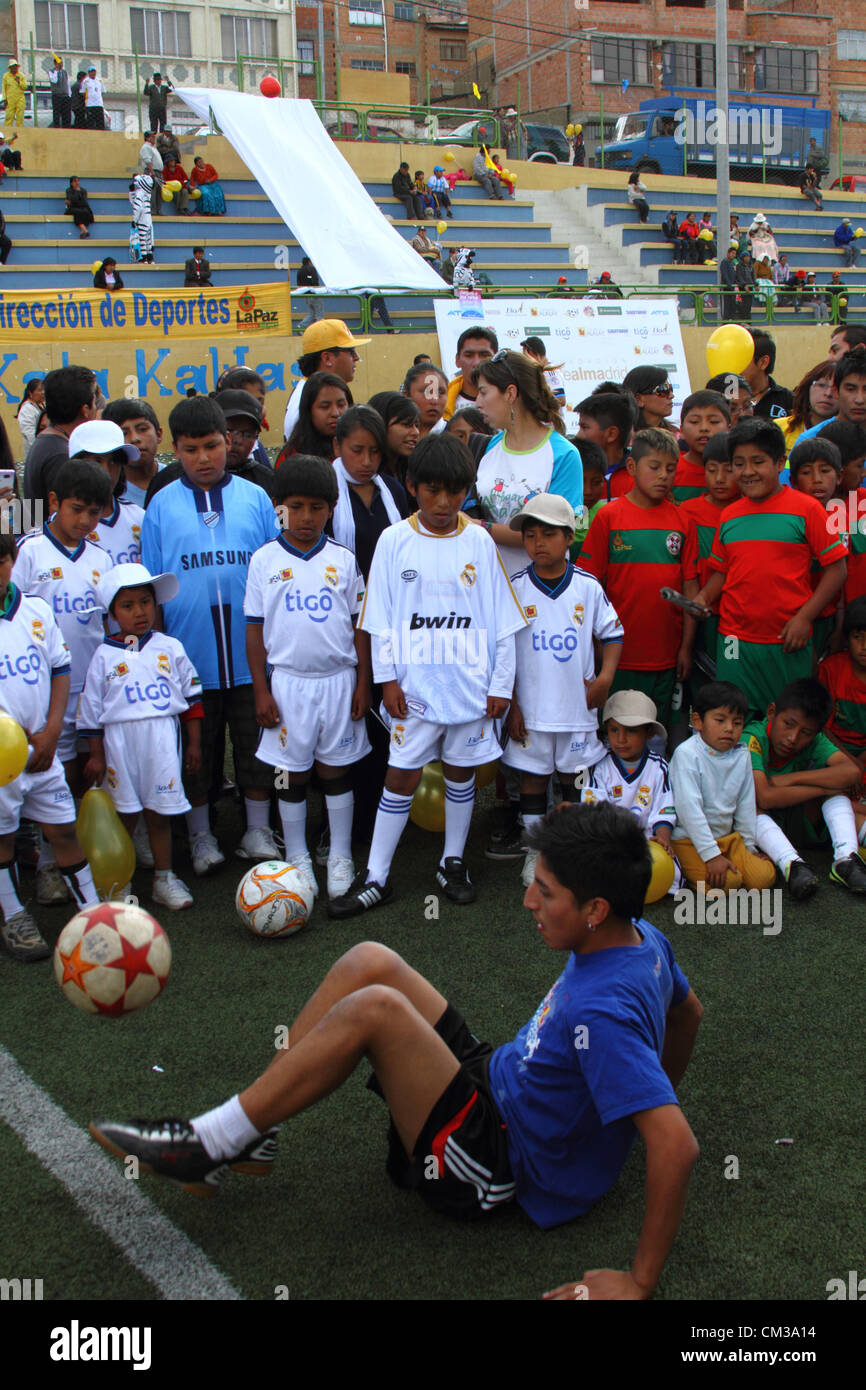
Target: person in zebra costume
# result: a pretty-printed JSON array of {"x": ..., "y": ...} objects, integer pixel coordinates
[{"x": 140, "y": 195}]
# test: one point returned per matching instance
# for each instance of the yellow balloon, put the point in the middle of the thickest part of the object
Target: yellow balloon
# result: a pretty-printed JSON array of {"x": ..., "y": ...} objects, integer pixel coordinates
[
  {"x": 730, "y": 348},
  {"x": 195, "y": 192},
  {"x": 175, "y": 185},
  {"x": 486, "y": 774},
  {"x": 569, "y": 129},
  {"x": 449, "y": 158},
  {"x": 441, "y": 227},
  {"x": 842, "y": 301},
  {"x": 166, "y": 194},
  {"x": 662, "y": 875},
  {"x": 428, "y": 803},
  {"x": 96, "y": 266},
  {"x": 860, "y": 232},
  {"x": 13, "y": 749},
  {"x": 106, "y": 844}
]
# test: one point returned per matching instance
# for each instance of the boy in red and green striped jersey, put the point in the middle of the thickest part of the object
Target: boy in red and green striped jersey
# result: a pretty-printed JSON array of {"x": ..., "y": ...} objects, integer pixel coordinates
[
  {"x": 815, "y": 468},
  {"x": 844, "y": 676},
  {"x": 637, "y": 545},
  {"x": 704, "y": 414},
  {"x": 762, "y": 556},
  {"x": 849, "y": 505},
  {"x": 721, "y": 489}
]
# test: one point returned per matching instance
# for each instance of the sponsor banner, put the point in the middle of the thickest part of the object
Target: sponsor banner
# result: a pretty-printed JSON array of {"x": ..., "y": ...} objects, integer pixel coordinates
[
  {"x": 595, "y": 339},
  {"x": 50, "y": 316}
]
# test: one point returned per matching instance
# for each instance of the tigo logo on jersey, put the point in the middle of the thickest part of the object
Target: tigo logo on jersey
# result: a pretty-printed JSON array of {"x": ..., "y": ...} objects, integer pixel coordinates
[
  {"x": 468, "y": 577},
  {"x": 674, "y": 542},
  {"x": 578, "y": 614},
  {"x": 36, "y": 627},
  {"x": 398, "y": 735},
  {"x": 331, "y": 576}
]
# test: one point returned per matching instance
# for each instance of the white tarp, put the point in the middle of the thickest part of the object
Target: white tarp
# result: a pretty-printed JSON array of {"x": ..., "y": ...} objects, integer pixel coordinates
[{"x": 320, "y": 198}]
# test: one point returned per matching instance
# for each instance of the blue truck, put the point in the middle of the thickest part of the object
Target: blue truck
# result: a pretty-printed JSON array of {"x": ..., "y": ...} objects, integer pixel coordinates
[{"x": 683, "y": 134}]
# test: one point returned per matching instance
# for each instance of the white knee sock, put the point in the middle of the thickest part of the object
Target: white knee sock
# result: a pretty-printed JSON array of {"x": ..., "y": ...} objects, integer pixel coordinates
[
  {"x": 258, "y": 813},
  {"x": 80, "y": 881},
  {"x": 340, "y": 810},
  {"x": 838, "y": 814},
  {"x": 773, "y": 841},
  {"x": 10, "y": 903},
  {"x": 198, "y": 820},
  {"x": 391, "y": 819},
  {"x": 459, "y": 803},
  {"x": 530, "y": 821},
  {"x": 225, "y": 1130},
  {"x": 47, "y": 857},
  {"x": 293, "y": 817},
  {"x": 861, "y": 838}
]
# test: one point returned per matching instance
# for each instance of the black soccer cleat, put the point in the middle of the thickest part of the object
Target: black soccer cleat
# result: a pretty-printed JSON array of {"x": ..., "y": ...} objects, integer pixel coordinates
[
  {"x": 802, "y": 883},
  {"x": 453, "y": 878},
  {"x": 361, "y": 897},
  {"x": 507, "y": 842},
  {"x": 851, "y": 873},
  {"x": 257, "y": 1158},
  {"x": 168, "y": 1148}
]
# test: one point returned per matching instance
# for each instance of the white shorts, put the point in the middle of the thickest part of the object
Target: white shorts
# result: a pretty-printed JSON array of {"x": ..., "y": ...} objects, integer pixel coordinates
[
  {"x": 40, "y": 796},
  {"x": 542, "y": 752},
  {"x": 415, "y": 742},
  {"x": 70, "y": 743},
  {"x": 142, "y": 766},
  {"x": 316, "y": 722}
]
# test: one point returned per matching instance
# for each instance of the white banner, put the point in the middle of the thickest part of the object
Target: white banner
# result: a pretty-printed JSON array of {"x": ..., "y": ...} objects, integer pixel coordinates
[
  {"x": 315, "y": 191},
  {"x": 595, "y": 339}
]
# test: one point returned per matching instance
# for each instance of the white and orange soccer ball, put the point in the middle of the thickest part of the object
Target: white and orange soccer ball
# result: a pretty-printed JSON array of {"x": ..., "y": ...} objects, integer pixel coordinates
[
  {"x": 274, "y": 899},
  {"x": 112, "y": 959}
]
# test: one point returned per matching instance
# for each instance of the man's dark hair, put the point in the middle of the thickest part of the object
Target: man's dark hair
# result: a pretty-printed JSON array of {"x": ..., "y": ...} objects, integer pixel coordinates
[
  {"x": 196, "y": 417},
  {"x": 534, "y": 345},
  {"x": 444, "y": 459},
  {"x": 239, "y": 378},
  {"x": 703, "y": 400},
  {"x": 67, "y": 391},
  {"x": 422, "y": 369},
  {"x": 721, "y": 695},
  {"x": 716, "y": 448},
  {"x": 364, "y": 417},
  {"x": 133, "y": 408},
  {"x": 850, "y": 439},
  {"x": 852, "y": 364},
  {"x": 609, "y": 410},
  {"x": 474, "y": 419},
  {"x": 722, "y": 380},
  {"x": 592, "y": 455},
  {"x": 812, "y": 450},
  {"x": 8, "y": 545},
  {"x": 853, "y": 333},
  {"x": 808, "y": 696},
  {"x": 201, "y": 249},
  {"x": 84, "y": 481},
  {"x": 486, "y": 333},
  {"x": 765, "y": 346},
  {"x": 310, "y": 362},
  {"x": 596, "y": 851},
  {"x": 302, "y": 475},
  {"x": 855, "y": 616},
  {"x": 421, "y": 357},
  {"x": 762, "y": 433}
]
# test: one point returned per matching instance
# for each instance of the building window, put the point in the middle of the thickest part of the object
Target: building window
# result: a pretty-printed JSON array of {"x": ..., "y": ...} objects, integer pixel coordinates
[
  {"x": 453, "y": 50},
  {"x": 786, "y": 70},
  {"x": 365, "y": 12},
  {"x": 851, "y": 45},
  {"x": 618, "y": 60},
  {"x": 852, "y": 105},
  {"x": 306, "y": 57},
  {"x": 368, "y": 64},
  {"x": 694, "y": 65},
  {"x": 252, "y": 38},
  {"x": 161, "y": 32},
  {"x": 407, "y": 69},
  {"x": 60, "y": 26},
  {"x": 405, "y": 12}
]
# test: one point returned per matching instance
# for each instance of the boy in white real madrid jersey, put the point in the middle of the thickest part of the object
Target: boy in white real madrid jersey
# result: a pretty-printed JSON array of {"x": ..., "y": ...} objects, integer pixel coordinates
[
  {"x": 138, "y": 684},
  {"x": 60, "y": 565},
  {"x": 442, "y": 617},
  {"x": 551, "y": 724},
  {"x": 304, "y": 592},
  {"x": 118, "y": 531},
  {"x": 34, "y": 666}
]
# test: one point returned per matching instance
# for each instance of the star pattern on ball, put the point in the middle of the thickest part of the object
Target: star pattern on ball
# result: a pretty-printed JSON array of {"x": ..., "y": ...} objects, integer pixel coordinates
[
  {"x": 133, "y": 960},
  {"x": 74, "y": 968}
]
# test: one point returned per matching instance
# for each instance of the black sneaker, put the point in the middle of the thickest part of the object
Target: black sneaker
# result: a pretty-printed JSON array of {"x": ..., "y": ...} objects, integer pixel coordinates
[
  {"x": 168, "y": 1148},
  {"x": 257, "y": 1159},
  {"x": 802, "y": 883},
  {"x": 361, "y": 897},
  {"x": 851, "y": 873},
  {"x": 507, "y": 843},
  {"x": 454, "y": 880}
]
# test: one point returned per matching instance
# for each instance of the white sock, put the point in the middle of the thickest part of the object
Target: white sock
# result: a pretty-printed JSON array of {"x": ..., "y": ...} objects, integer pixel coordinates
[
  {"x": 225, "y": 1130},
  {"x": 10, "y": 903},
  {"x": 530, "y": 821},
  {"x": 459, "y": 804},
  {"x": 391, "y": 819},
  {"x": 47, "y": 857},
  {"x": 80, "y": 881},
  {"x": 293, "y": 817},
  {"x": 861, "y": 838},
  {"x": 258, "y": 813},
  {"x": 773, "y": 841},
  {"x": 341, "y": 810},
  {"x": 838, "y": 814},
  {"x": 198, "y": 820}
]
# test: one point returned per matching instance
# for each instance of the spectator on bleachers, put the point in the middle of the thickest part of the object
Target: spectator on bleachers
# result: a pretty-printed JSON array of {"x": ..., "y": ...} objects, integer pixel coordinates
[
  {"x": 5, "y": 243},
  {"x": 486, "y": 177},
  {"x": 636, "y": 193},
  {"x": 844, "y": 238},
  {"x": 728, "y": 282},
  {"x": 197, "y": 269},
  {"x": 308, "y": 277},
  {"x": 809, "y": 188},
  {"x": 76, "y": 101},
  {"x": 204, "y": 176},
  {"x": 140, "y": 198},
  {"x": 107, "y": 276},
  {"x": 817, "y": 160},
  {"x": 446, "y": 269},
  {"x": 14, "y": 87},
  {"x": 815, "y": 401},
  {"x": 738, "y": 238},
  {"x": 762, "y": 240},
  {"x": 745, "y": 285},
  {"x": 173, "y": 172},
  {"x": 578, "y": 148},
  {"x": 150, "y": 162},
  {"x": 61, "y": 108},
  {"x": 166, "y": 143},
  {"x": 438, "y": 187},
  {"x": 464, "y": 275},
  {"x": 405, "y": 192},
  {"x": 70, "y": 395},
  {"x": 671, "y": 233},
  {"x": 94, "y": 103},
  {"x": 429, "y": 250},
  {"x": 765, "y": 285},
  {"x": 419, "y": 184},
  {"x": 689, "y": 233},
  {"x": 784, "y": 279},
  {"x": 157, "y": 92},
  {"x": 30, "y": 409},
  {"x": 78, "y": 208},
  {"x": 706, "y": 242},
  {"x": 814, "y": 299},
  {"x": 606, "y": 287},
  {"x": 11, "y": 159},
  {"x": 838, "y": 296}
]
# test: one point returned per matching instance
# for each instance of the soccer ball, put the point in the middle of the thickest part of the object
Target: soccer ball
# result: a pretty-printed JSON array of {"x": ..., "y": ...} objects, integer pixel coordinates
[
  {"x": 112, "y": 959},
  {"x": 274, "y": 899}
]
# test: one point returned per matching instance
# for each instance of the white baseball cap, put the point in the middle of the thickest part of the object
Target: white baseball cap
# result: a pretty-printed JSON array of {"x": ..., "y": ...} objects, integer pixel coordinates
[
  {"x": 632, "y": 709},
  {"x": 165, "y": 586},
  {"x": 547, "y": 507},
  {"x": 100, "y": 437}
]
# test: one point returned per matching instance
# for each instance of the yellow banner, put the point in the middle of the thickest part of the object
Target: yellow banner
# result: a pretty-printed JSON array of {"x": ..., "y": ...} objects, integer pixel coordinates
[{"x": 50, "y": 316}]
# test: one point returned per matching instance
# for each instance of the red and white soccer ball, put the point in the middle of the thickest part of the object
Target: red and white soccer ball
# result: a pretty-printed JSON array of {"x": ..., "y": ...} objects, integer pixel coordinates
[
  {"x": 274, "y": 899},
  {"x": 112, "y": 959}
]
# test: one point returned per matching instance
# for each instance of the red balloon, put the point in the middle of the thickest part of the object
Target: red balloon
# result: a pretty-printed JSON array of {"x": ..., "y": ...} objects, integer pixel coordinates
[{"x": 270, "y": 87}]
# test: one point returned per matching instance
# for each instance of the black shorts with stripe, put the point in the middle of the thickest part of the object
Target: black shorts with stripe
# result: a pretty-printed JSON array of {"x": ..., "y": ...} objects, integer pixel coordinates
[
  {"x": 235, "y": 707},
  {"x": 461, "y": 1166}
]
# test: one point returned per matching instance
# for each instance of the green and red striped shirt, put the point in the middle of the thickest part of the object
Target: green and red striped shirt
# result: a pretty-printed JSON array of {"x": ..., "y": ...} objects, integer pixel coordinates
[
  {"x": 706, "y": 516},
  {"x": 848, "y": 720}
]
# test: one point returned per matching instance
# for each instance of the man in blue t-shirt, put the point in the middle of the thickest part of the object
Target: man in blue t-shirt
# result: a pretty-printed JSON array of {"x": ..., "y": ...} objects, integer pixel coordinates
[
  {"x": 548, "y": 1119},
  {"x": 204, "y": 528}
]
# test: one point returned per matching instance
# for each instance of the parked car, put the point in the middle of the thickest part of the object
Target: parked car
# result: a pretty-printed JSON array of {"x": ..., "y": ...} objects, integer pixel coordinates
[
  {"x": 545, "y": 144},
  {"x": 851, "y": 183}
]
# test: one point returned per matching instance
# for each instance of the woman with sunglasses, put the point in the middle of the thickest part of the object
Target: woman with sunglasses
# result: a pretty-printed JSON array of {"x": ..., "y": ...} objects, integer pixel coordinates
[
  {"x": 654, "y": 395},
  {"x": 528, "y": 453}
]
